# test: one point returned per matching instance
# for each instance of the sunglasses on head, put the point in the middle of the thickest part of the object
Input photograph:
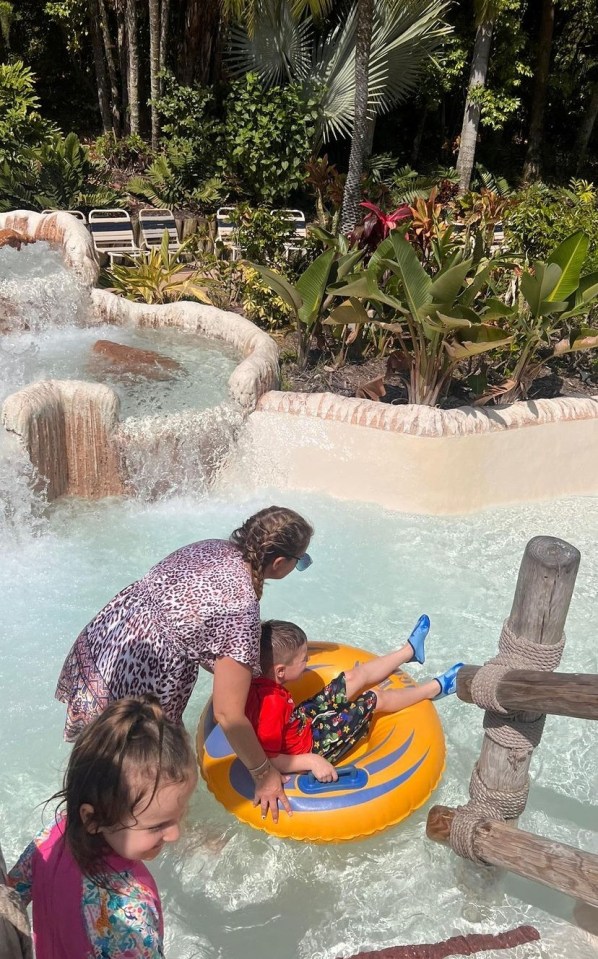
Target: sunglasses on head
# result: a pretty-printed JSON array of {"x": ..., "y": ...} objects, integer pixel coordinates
[{"x": 303, "y": 562}]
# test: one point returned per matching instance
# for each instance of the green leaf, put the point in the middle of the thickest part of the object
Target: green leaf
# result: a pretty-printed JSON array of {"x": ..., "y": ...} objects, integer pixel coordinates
[
  {"x": 311, "y": 286},
  {"x": 281, "y": 286},
  {"x": 493, "y": 308},
  {"x": 350, "y": 311},
  {"x": 569, "y": 256},
  {"x": 416, "y": 282},
  {"x": 447, "y": 284},
  {"x": 536, "y": 289}
]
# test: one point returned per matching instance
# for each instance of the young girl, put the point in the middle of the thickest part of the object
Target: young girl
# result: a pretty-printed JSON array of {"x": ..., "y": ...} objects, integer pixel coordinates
[
  {"x": 318, "y": 732},
  {"x": 128, "y": 782}
]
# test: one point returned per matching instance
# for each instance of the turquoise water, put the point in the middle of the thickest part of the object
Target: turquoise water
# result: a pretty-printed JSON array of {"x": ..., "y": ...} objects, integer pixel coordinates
[{"x": 232, "y": 893}]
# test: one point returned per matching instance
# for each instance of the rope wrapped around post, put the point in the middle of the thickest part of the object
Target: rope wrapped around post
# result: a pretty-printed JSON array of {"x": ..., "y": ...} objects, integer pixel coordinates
[{"x": 499, "y": 784}]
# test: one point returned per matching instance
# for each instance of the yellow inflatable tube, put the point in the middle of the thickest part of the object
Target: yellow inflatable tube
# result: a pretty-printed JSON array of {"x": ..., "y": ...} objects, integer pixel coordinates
[{"x": 393, "y": 770}]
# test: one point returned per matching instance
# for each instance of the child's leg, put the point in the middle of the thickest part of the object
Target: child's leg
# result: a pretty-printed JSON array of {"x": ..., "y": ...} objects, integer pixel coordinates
[
  {"x": 376, "y": 670},
  {"x": 392, "y": 700}
]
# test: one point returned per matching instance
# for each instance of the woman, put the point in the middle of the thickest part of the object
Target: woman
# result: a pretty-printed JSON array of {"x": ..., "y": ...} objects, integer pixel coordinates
[{"x": 198, "y": 607}]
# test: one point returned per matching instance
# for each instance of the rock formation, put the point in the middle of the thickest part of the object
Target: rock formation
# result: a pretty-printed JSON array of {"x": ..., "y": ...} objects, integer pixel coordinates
[
  {"x": 123, "y": 360},
  {"x": 9, "y": 237}
]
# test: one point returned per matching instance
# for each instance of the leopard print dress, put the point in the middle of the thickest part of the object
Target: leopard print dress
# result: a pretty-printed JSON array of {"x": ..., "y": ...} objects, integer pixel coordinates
[{"x": 195, "y": 606}]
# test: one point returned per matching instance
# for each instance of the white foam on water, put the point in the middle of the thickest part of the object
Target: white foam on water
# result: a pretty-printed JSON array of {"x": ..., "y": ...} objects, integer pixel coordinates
[{"x": 232, "y": 892}]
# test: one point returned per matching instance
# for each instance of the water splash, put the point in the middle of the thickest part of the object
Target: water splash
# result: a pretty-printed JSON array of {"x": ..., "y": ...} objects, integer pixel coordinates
[
  {"x": 38, "y": 290},
  {"x": 22, "y": 494},
  {"x": 178, "y": 454}
]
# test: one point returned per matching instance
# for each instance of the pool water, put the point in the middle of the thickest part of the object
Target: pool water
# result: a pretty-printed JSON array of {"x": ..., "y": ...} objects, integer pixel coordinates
[
  {"x": 228, "y": 891},
  {"x": 53, "y": 332}
]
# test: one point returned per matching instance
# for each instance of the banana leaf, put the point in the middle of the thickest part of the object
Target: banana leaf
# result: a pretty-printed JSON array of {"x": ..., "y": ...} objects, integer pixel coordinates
[
  {"x": 281, "y": 286},
  {"x": 569, "y": 256},
  {"x": 350, "y": 311},
  {"x": 585, "y": 339},
  {"x": 481, "y": 339},
  {"x": 311, "y": 287},
  {"x": 447, "y": 284}
]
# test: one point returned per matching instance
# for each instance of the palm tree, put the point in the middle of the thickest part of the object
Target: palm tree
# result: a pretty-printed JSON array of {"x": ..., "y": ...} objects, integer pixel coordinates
[
  {"x": 154, "y": 33},
  {"x": 357, "y": 156},
  {"x": 486, "y": 12},
  {"x": 132, "y": 64}
]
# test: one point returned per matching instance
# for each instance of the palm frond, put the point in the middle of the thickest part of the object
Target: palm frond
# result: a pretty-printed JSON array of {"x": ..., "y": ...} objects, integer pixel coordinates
[
  {"x": 278, "y": 49},
  {"x": 404, "y": 36}
]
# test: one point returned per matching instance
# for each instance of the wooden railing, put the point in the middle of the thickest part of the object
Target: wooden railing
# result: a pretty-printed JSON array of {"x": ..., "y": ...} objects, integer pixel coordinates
[{"x": 484, "y": 830}]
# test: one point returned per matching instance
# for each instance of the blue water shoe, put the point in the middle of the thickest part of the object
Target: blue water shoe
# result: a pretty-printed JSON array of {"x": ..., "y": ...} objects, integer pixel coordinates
[
  {"x": 448, "y": 681},
  {"x": 417, "y": 639}
]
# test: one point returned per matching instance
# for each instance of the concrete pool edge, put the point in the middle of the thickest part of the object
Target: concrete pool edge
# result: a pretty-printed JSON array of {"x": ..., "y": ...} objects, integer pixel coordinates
[{"x": 425, "y": 460}]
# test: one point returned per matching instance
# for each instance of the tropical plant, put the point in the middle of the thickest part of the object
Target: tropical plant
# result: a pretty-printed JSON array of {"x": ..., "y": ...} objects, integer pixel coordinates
[
  {"x": 377, "y": 225},
  {"x": 262, "y": 233},
  {"x": 327, "y": 184},
  {"x": 437, "y": 322},
  {"x": 160, "y": 277},
  {"x": 21, "y": 123},
  {"x": 173, "y": 181},
  {"x": 550, "y": 317},
  {"x": 129, "y": 154},
  {"x": 268, "y": 137},
  {"x": 58, "y": 174},
  {"x": 309, "y": 301},
  {"x": 543, "y": 216}
]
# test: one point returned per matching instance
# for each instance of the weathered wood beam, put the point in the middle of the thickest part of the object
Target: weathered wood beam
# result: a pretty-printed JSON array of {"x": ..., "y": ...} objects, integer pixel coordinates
[
  {"x": 553, "y": 864},
  {"x": 559, "y": 694}
]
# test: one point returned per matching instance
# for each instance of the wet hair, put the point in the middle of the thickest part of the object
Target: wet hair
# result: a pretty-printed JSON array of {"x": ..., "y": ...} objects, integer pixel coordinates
[
  {"x": 275, "y": 531},
  {"x": 119, "y": 761},
  {"x": 279, "y": 643}
]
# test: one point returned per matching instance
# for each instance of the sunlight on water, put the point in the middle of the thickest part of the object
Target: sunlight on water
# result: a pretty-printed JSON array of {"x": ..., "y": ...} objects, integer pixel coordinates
[{"x": 232, "y": 893}]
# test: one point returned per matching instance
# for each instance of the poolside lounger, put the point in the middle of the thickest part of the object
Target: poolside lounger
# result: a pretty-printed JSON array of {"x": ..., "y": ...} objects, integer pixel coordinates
[
  {"x": 152, "y": 224},
  {"x": 226, "y": 231},
  {"x": 297, "y": 219},
  {"x": 112, "y": 234},
  {"x": 498, "y": 238},
  {"x": 76, "y": 213}
]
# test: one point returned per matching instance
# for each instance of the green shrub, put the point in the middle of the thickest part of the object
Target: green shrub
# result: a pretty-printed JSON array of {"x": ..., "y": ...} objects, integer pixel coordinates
[
  {"x": 544, "y": 216},
  {"x": 129, "y": 153},
  {"x": 268, "y": 138},
  {"x": 58, "y": 174},
  {"x": 21, "y": 124}
]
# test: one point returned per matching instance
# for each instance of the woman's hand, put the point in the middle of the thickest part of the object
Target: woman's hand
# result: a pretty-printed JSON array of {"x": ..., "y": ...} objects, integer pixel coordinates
[{"x": 269, "y": 791}]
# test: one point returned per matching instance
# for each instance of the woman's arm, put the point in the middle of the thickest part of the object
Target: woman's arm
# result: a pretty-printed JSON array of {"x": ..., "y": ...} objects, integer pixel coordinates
[
  {"x": 229, "y": 698},
  {"x": 305, "y": 762}
]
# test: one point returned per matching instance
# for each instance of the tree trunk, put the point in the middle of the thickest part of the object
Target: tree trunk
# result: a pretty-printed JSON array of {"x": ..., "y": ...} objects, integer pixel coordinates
[
  {"x": 363, "y": 43},
  {"x": 471, "y": 115},
  {"x": 133, "y": 65},
  {"x": 121, "y": 36},
  {"x": 111, "y": 64},
  {"x": 154, "y": 28},
  {"x": 198, "y": 28},
  {"x": 533, "y": 159},
  {"x": 100, "y": 67},
  {"x": 164, "y": 22},
  {"x": 586, "y": 127},
  {"x": 419, "y": 133}
]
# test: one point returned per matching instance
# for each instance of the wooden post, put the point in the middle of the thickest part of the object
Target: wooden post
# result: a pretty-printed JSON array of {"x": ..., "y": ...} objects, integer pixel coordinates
[
  {"x": 542, "y": 596},
  {"x": 561, "y": 694},
  {"x": 554, "y": 864}
]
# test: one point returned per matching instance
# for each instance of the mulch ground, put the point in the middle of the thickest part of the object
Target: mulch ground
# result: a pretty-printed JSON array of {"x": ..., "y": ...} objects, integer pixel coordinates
[{"x": 356, "y": 379}]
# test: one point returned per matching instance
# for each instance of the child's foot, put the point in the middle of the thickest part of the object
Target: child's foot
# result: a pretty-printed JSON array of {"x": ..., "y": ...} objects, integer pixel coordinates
[
  {"x": 448, "y": 681},
  {"x": 417, "y": 639}
]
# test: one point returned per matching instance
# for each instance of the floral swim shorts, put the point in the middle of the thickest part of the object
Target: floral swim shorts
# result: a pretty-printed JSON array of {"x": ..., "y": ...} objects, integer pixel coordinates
[{"x": 336, "y": 724}]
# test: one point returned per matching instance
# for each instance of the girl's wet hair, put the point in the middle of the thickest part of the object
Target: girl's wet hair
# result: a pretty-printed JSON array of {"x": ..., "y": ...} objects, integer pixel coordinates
[
  {"x": 275, "y": 531},
  {"x": 279, "y": 643},
  {"x": 117, "y": 764}
]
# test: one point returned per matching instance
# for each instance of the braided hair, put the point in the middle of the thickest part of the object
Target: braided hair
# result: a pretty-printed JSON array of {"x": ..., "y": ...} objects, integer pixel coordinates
[
  {"x": 128, "y": 746},
  {"x": 274, "y": 531}
]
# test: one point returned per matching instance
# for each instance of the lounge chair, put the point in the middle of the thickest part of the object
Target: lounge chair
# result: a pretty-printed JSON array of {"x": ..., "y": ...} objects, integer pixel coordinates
[
  {"x": 76, "y": 213},
  {"x": 296, "y": 218},
  {"x": 112, "y": 234},
  {"x": 152, "y": 224},
  {"x": 498, "y": 239},
  {"x": 226, "y": 231}
]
